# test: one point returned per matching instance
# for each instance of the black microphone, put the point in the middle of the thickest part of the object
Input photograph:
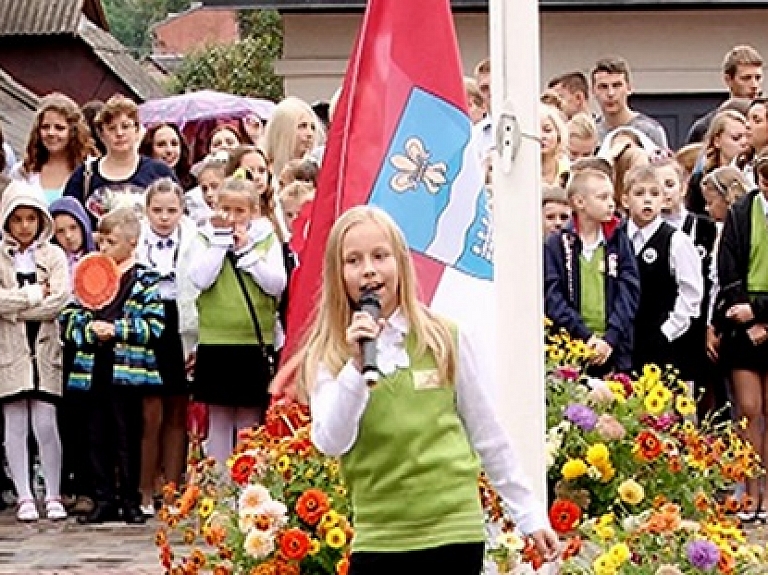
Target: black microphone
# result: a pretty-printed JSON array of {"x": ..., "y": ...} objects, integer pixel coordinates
[{"x": 369, "y": 303}]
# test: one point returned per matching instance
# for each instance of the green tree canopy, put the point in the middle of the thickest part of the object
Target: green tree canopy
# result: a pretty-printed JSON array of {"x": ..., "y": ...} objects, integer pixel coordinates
[
  {"x": 245, "y": 67},
  {"x": 130, "y": 21}
]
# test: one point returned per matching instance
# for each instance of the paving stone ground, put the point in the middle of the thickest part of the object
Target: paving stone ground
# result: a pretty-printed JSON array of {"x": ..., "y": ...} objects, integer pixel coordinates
[{"x": 67, "y": 548}]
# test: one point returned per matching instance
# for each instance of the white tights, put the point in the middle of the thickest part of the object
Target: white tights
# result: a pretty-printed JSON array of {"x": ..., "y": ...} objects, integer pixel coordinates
[
  {"x": 223, "y": 425},
  {"x": 17, "y": 414}
]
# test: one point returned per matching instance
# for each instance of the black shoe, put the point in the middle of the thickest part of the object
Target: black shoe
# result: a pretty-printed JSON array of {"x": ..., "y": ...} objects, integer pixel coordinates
[
  {"x": 132, "y": 514},
  {"x": 102, "y": 513}
]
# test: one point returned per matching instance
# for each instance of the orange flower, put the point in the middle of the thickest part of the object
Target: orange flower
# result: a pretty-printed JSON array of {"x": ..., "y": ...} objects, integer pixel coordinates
[
  {"x": 675, "y": 465},
  {"x": 312, "y": 505},
  {"x": 222, "y": 570},
  {"x": 161, "y": 538},
  {"x": 701, "y": 502},
  {"x": 727, "y": 562},
  {"x": 564, "y": 515},
  {"x": 197, "y": 558},
  {"x": 531, "y": 555},
  {"x": 731, "y": 504},
  {"x": 242, "y": 468},
  {"x": 294, "y": 544},
  {"x": 342, "y": 567},
  {"x": 572, "y": 548},
  {"x": 648, "y": 446}
]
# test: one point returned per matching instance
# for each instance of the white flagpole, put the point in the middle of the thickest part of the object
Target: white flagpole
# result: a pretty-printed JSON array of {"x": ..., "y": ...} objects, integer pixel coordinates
[{"x": 514, "y": 51}]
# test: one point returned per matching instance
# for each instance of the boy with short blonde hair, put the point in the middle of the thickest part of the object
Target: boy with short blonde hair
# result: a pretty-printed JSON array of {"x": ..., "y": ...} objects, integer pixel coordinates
[
  {"x": 591, "y": 282},
  {"x": 671, "y": 280}
]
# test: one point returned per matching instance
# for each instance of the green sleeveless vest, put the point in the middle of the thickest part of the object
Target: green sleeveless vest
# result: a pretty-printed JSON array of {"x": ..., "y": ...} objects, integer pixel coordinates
[
  {"x": 592, "y": 303},
  {"x": 223, "y": 312},
  {"x": 757, "y": 279},
  {"x": 412, "y": 473}
]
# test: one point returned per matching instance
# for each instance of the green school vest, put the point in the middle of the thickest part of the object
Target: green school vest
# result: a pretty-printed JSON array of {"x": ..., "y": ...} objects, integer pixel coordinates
[
  {"x": 757, "y": 279},
  {"x": 223, "y": 312},
  {"x": 412, "y": 473},
  {"x": 592, "y": 276}
]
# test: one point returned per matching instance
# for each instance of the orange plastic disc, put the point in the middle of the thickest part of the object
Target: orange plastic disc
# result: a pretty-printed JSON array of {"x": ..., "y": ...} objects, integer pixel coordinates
[{"x": 96, "y": 280}]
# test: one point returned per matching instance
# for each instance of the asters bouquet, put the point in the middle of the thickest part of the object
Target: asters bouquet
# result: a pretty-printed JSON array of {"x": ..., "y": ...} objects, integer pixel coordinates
[
  {"x": 636, "y": 477},
  {"x": 277, "y": 508}
]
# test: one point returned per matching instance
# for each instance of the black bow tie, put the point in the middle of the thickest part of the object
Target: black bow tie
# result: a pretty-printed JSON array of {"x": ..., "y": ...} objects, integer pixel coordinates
[{"x": 164, "y": 243}]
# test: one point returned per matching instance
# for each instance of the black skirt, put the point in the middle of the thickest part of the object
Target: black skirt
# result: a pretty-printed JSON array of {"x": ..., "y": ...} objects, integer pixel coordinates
[
  {"x": 738, "y": 352},
  {"x": 231, "y": 375},
  {"x": 170, "y": 355}
]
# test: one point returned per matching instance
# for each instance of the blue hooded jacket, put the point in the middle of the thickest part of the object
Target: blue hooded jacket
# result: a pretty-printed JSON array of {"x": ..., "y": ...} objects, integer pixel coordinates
[{"x": 71, "y": 207}]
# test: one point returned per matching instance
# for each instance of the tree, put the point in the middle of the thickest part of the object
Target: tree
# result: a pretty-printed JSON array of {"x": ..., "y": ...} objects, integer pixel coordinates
[
  {"x": 245, "y": 67},
  {"x": 130, "y": 21}
]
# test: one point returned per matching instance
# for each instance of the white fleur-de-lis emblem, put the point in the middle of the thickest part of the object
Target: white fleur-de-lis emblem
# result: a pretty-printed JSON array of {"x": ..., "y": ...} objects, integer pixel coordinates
[{"x": 414, "y": 169}]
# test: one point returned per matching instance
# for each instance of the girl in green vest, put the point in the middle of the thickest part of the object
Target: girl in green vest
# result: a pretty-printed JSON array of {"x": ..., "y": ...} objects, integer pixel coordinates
[
  {"x": 409, "y": 445},
  {"x": 741, "y": 309}
]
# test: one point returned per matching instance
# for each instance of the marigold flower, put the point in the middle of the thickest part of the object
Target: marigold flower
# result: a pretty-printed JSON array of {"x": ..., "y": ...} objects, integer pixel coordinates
[
  {"x": 336, "y": 538},
  {"x": 564, "y": 515},
  {"x": 573, "y": 469},
  {"x": 648, "y": 446},
  {"x": 294, "y": 544},
  {"x": 631, "y": 492},
  {"x": 197, "y": 559},
  {"x": 242, "y": 467},
  {"x": 207, "y": 506},
  {"x": 598, "y": 455},
  {"x": 283, "y": 464},
  {"x": 312, "y": 505},
  {"x": 685, "y": 405},
  {"x": 605, "y": 565},
  {"x": 314, "y": 547},
  {"x": 620, "y": 553},
  {"x": 330, "y": 519}
]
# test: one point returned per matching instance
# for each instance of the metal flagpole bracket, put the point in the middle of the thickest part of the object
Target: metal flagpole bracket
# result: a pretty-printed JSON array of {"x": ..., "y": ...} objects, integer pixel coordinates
[{"x": 509, "y": 136}]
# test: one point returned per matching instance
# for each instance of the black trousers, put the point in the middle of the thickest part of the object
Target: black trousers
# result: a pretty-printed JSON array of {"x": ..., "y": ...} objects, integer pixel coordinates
[
  {"x": 114, "y": 443},
  {"x": 457, "y": 559}
]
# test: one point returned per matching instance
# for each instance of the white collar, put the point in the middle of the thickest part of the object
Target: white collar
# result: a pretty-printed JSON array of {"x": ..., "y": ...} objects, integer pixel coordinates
[
  {"x": 599, "y": 240},
  {"x": 153, "y": 237},
  {"x": 390, "y": 345},
  {"x": 646, "y": 231},
  {"x": 763, "y": 203}
]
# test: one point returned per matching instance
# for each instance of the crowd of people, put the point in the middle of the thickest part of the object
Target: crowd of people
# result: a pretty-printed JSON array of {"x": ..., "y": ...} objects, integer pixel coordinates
[
  {"x": 660, "y": 256},
  {"x": 202, "y": 249}
]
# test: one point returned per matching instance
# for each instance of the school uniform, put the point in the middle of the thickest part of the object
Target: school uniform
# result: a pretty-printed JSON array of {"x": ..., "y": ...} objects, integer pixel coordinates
[
  {"x": 593, "y": 293},
  {"x": 671, "y": 288},
  {"x": 169, "y": 257},
  {"x": 742, "y": 270},
  {"x": 400, "y": 526},
  {"x": 227, "y": 335}
]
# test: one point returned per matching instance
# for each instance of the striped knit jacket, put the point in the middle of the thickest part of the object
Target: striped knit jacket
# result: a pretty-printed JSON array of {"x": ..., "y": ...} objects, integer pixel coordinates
[{"x": 141, "y": 322}]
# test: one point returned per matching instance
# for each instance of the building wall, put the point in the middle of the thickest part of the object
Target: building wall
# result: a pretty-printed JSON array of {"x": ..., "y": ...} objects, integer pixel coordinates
[
  {"x": 194, "y": 29},
  {"x": 670, "y": 52},
  {"x": 61, "y": 64}
]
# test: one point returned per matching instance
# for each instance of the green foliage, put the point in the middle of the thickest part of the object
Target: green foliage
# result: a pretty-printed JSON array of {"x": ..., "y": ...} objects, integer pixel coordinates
[
  {"x": 245, "y": 67},
  {"x": 130, "y": 21}
]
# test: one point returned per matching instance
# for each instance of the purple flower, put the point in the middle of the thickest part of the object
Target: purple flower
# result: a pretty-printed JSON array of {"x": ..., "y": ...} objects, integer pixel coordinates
[
  {"x": 581, "y": 415},
  {"x": 702, "y": 554}
]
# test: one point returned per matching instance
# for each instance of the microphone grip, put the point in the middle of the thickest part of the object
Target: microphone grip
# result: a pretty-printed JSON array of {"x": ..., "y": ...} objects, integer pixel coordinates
[
  {"x": 370, "y": 368},
  {"x": 370, "y": 304}
]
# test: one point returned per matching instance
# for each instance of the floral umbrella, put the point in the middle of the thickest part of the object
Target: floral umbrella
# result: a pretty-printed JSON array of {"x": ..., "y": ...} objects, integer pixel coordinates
[{"x": 202, "y": 105}]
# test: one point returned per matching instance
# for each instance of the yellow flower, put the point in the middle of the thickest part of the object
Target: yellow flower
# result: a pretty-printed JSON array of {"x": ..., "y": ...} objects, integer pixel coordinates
[
  {"x": 604, "y": 565},
  {"x": 283, "y": 464},
  {"x": 620, "y": 553},
  {"x": 206, "y": 507},
  {"x": 330, "y": 519},
  {"x": 573, "y": 469},
  {"x": 685, "y": 405},
  {"x": 631, "y": 492},
  {"x": 653, "y": 404},
  {"x": 598, "y": 455},
  {"x": 688, "y": 427},
  {"x": 314, "y": 547},
  {"x": 335, "y": 538},
  {"x": 618, "y": 391},
  {"x": 652, "y": 372},
  {"x": 607, "y": 472}
]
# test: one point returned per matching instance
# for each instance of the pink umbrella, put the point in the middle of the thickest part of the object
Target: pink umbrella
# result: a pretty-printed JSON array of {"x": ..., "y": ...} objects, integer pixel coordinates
[{"x": 202, "y": 105}]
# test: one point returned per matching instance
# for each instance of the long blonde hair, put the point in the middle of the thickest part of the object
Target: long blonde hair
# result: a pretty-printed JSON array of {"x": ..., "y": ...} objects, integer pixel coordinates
[{"x": 326, "y": 340}]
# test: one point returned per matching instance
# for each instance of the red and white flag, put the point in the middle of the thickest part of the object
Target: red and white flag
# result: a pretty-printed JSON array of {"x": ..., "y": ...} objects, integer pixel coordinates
[{"x": 401, "y": 139}]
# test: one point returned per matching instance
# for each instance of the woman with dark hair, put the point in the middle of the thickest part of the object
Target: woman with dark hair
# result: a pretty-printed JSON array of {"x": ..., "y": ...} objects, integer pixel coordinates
[
  {"x": 166, "y": 143},
  {"x": 59, "y": 141},
  {"x": 90, "y": 110}
]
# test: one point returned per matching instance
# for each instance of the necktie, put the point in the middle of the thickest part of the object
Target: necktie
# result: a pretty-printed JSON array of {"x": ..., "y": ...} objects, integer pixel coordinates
[{"x": 638, "y": 241}]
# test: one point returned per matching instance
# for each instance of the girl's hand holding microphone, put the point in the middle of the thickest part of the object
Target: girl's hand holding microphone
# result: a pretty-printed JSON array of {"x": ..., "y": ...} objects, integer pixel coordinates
[{"x": 362, "y": 327}]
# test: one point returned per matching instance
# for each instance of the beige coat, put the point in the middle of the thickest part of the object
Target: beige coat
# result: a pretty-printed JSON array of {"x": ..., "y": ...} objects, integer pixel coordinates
[{"x": 17, "y": 305}]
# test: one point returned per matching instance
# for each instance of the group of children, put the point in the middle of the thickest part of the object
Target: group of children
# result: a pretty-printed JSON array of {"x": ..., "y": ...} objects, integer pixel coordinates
[{"x": 106, "y": 390}]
